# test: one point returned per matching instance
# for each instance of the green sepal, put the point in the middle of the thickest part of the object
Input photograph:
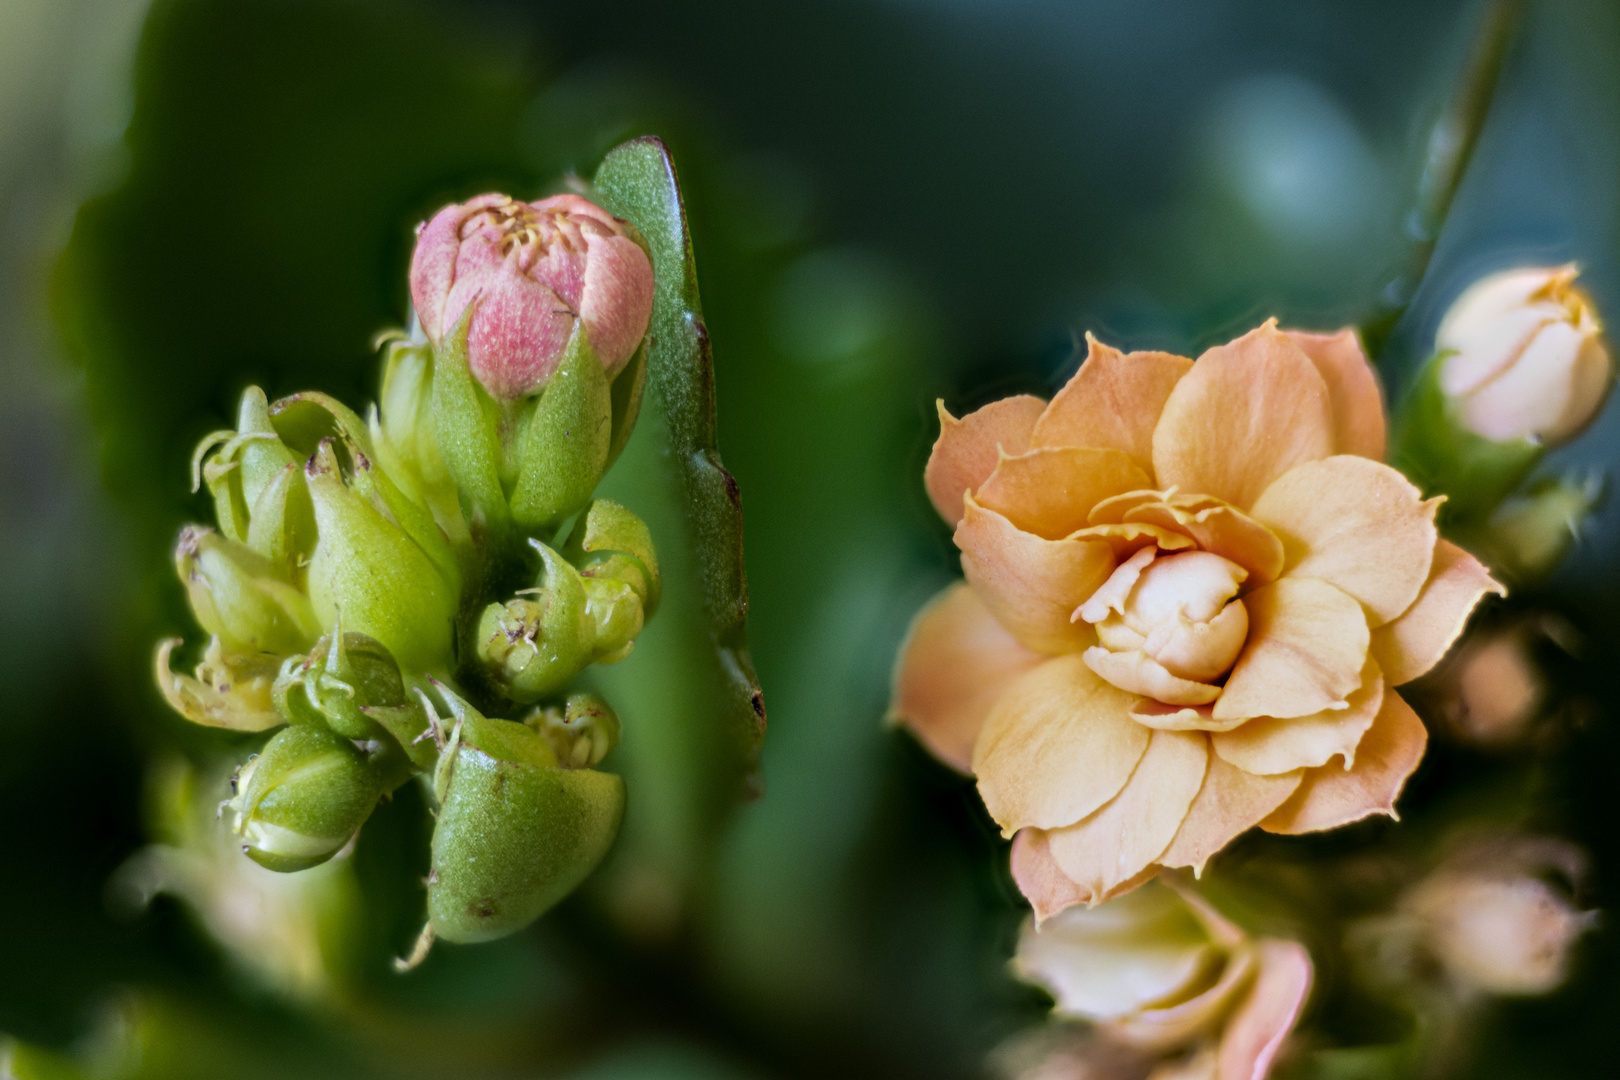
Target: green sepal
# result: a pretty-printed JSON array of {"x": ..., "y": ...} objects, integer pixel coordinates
[
  {"x": 301, "y": 799},
  {"x": 628, "y": 388},
  {"x": 343, "y": 676},
  {"x": 236, "y": 594},
  {"x": 1442, "y": 457},
  {"x": 370, "y": 570},
  {"x": 528, "y": 648},
  {"x": 239, "y": 465},
  {"x": 512, "y": 839},
  {"x": 306, "y": 419},
  {"x": 562, "y": 444},
  {"x": 375, "y": 485},
  {"x": 467, "y": 426},
  {"x": 281, "y": 526},
  {"x": 407, "y": 446}
]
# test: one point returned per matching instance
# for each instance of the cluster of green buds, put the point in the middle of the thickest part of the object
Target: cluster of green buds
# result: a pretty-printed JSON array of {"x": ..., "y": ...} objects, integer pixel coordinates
[{"x": 367, "y": 578}]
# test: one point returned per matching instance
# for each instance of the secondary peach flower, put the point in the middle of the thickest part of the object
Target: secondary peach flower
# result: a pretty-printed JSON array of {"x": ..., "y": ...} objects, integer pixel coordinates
[
  {"x": 1165, "y": 973},
  {"x": 1190, "y": 589}
]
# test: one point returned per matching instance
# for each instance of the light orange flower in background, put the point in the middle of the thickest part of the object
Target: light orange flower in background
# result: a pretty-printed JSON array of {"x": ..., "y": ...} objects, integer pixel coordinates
[{"x": 1191, "y": 588}]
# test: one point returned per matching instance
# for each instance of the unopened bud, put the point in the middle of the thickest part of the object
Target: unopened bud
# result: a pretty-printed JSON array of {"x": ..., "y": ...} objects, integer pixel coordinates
[
  {"x": 534, "y": 272},
  {"x": 1528, "y": 359},
  {"x": 343, "y": 676},
  {"x": 236, "y": 594},
  {"x": 610, "y": 542},
  {"x": 238, "y": 465},
  {"x": 301, "y": 799},
  {"x": 368, "y": 568},
  {"x": 532, "y": 645},
  {"x": 582, "y": 731}
]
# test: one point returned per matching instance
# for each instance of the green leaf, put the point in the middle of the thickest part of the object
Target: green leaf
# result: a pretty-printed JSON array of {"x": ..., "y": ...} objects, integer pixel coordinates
[{"x": 637, "y": 181}]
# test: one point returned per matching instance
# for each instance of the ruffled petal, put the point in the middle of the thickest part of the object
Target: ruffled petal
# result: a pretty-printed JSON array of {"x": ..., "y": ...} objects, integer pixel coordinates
[
  {"x": 1114, "y": 400},
  {"x": 1044, "y": 884},
  {"x": 956, "y": 660},
  {"x": 1157, "y": 714},
  {"x": 1059, "y": 743},
  {"x": 1247, "y": 413},
  {"x": 1032, "y": 585},
  {"x": 1269, "y": 746},
  {"x": 1141, "y": 674},
  {"x": 967, "y": 450},
  {"x": 1415, "y": 642},
  {"x": 1356, "y": 524},
  {"x": 1125, "y": 837},
  {"x": 1049, "y": 491},
  {"x": 1255, "y": 1032},
  {"x": 1217, "y": 526},
  {"x": 1353, "y": 393},
  {"x": 1230, "y": 803},
  {"x": 1330, "y": 796},
  {"x": 1128, "y": 538},
  {"x": 1307, "y": 646}
]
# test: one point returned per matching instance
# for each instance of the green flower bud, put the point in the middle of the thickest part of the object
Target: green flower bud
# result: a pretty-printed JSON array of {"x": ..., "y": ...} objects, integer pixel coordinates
[
  {"x": 515, "y": 833},
  {"x": 301, "y": 799},
  {"x": 369, "y": 564},
  {"x": 342, "y": 676},
  {"x": 582, "y": 731},
  {"x": 402, "y": 432},
  {"x": 532, "y": 646},
  {"x": 229, "y": 691},
  {"x": 238, "y": 465},
  {"x": 610, "y": 542},
  {"x": 236, "y": 594},
  {"x": 615, "y": 613}
]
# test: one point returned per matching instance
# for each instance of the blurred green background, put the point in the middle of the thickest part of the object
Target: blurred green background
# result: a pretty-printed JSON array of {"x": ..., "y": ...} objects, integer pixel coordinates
[{"x": 892, "y": 201}]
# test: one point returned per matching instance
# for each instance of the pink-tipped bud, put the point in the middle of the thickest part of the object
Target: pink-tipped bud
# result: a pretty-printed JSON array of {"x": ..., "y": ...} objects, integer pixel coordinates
[{"x": 534, "y": 270}]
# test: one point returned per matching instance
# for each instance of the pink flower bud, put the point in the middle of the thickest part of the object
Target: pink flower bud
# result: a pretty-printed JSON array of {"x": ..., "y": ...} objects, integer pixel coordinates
[{"x": 533, "y": 269}]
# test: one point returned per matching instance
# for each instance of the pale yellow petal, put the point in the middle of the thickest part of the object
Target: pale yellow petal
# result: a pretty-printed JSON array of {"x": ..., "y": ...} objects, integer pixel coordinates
[
  {"x": 1415, "y": 642},
  {"x": 1059, "y": 743},
  {"x": 1356, "y": 524},
  {"x": 1114, "y": 400},
  {"x": 1353, "y": 393},
  {"x": 967, "y": 450},
  {"x": 1165, "y": 717},
  {"x": 1031, "y": 585},
  {"x": 1044, "y": 884},
  {"x": 1331, "y": 796},
  {"x": 1247, "y": 413},
  {"x": 1256, "y": 1030},
  {"x": 1269, "y": 746},
  {"x": 1160, "y": 1030},
  {"x": 955, "y": 662},
  {"x": 1049, "y": 491},
  {"x": 1141, "y": 674},
  {"x": 1125, "y": 837},
  {"x": 1307, "y": 645},
  {"x": 1229, "y": 804}
]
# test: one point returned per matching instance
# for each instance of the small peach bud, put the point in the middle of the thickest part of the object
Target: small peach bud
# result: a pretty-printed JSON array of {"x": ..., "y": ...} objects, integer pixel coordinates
[
  {"x": 1528, "y": 359},
  {"x": 534, "y": 270}
]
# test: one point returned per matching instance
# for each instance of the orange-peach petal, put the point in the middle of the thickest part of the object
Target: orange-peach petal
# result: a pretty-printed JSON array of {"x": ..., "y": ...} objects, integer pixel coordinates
[
  {"x": 1415, "y": 642},
  {"x": 1115, "y": 844},
  {"x": 1331, "y": 796},
  {"x": 1229, "y": 804},
  {"x": 955, "y": 662},
  {"x": 1220, "y": 528},
  {"x": 1357, "y": 401},
  {"x": 1139, "y": 673},
  {"x": 1356, "y": 524},
  {"x": 1114, "y": 400},
  {"x": 1044, "y": 884},
  {"x": 966, "y": 452},
  {"x": 1256, "y": 1030},
  {"x": 1269, "y": 746},
  {"x": 1247, "y": 413},
  {"x": 1156, "y": 714},
  {"x": 1032, "y": 585},
  {"x": 1048, "y": 491},
  {"x": 1130, "y": 537},
  {"x": 1058, "y": 744},
  {"x": 1307, "y": 646}
]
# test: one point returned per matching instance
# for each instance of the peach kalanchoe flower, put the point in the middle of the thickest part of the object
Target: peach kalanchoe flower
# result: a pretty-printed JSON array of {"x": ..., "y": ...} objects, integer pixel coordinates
[
  {"x": 534, "y": 270},
  {"x": 1190, "y": 591},
  {"x": 1165, "y": 973}
]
